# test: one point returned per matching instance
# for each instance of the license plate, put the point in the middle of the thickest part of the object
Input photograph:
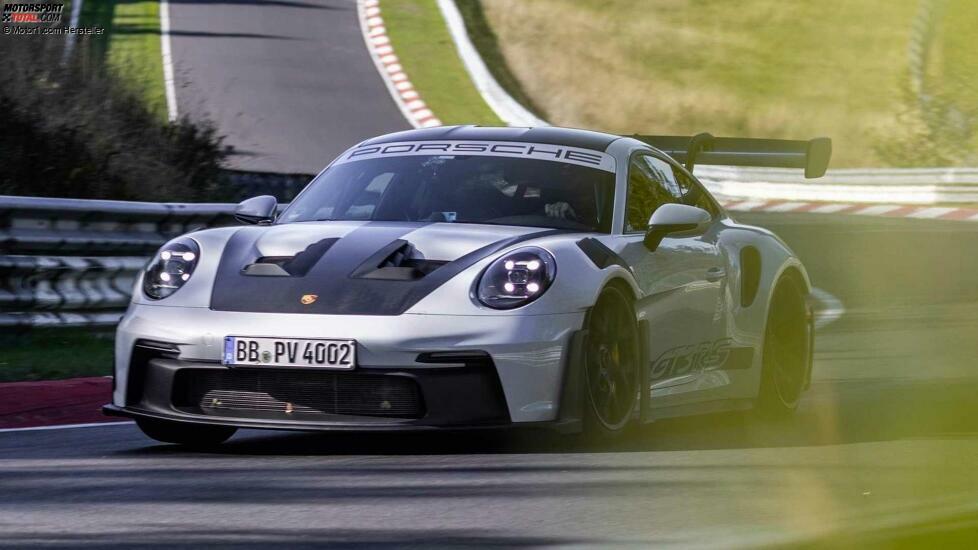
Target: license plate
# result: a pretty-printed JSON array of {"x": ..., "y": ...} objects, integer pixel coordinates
[{"x": 289, "y": 352}]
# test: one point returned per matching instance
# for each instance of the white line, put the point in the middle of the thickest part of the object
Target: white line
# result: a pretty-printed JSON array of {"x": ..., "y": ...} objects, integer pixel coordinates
[
  {"x": 67, "y": 426},
  {"x": 831, "y": 310},
  {"x": 76, "y": 7},
  {"x": 505, "y": 107},
  {"x": 167, "y": 55}
]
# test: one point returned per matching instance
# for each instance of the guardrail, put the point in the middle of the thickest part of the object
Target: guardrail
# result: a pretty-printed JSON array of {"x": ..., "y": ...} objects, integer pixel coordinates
[
  {"x": 869, "y": 185},
  {"x": 73, "y": 262}
]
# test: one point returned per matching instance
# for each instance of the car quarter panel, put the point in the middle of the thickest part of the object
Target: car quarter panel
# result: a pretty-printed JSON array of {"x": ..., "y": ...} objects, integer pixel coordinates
[{"x": 747, "y": 322}]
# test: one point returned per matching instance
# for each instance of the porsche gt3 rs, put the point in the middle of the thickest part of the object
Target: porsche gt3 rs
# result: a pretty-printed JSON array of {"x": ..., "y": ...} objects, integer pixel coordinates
[{"x": 464, "y": 277}]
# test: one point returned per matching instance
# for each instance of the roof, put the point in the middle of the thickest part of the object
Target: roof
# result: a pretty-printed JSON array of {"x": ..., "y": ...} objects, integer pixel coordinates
[{"x": 549, "y": 135}]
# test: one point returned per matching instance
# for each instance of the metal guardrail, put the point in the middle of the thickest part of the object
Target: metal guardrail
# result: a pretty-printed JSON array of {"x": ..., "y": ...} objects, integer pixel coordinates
[
  {"x": 860, "y": 185},
  {"x": 73, "y": 262}
]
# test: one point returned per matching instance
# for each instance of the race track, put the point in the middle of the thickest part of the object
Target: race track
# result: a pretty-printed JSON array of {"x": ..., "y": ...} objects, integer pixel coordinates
[
  {"x": 288, "y": 82},
  {"x": 884, "y": 448}
]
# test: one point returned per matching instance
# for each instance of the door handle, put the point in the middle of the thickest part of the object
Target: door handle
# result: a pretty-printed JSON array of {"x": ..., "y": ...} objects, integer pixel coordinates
[{"x": 715, "y": 274}]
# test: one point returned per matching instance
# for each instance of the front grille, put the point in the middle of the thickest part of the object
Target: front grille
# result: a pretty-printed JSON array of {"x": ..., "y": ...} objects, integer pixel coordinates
[{"x": 281, "y": 394}]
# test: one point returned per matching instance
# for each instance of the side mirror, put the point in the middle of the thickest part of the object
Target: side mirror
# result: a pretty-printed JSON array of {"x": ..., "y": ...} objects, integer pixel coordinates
[
  {"x": 674, "y": 218},
  {"x": 256, "y": 210}
]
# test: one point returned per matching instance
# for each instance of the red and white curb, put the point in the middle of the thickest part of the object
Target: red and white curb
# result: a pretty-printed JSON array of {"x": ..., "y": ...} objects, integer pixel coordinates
[
  {"x": 53, "y": 404},
  {"x": 379, "y": 45},
  {"x": 881, "y": 210}
]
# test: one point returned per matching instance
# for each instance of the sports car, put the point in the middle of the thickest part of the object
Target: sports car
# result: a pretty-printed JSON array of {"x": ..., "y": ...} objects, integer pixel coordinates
[{"x": 471, "y": 277}]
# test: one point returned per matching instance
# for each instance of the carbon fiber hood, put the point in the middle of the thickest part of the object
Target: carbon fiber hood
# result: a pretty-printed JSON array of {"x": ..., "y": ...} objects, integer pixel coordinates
[{"x": 353, "y": 268}]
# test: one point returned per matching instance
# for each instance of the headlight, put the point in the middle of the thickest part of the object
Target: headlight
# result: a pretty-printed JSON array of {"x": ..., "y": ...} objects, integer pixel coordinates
[
  {"x": 171, "y": 268},
  {"x": 517, "y": 278}
]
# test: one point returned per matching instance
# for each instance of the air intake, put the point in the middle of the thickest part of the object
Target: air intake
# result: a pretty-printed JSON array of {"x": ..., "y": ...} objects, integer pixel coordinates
[{"x": 281, "y": 394}]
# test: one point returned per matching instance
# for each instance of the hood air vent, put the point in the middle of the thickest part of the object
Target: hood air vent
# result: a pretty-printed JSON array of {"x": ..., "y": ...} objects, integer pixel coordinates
[
  {"x": 394, "y": 262},
  {"x": 289, "y": 266}
]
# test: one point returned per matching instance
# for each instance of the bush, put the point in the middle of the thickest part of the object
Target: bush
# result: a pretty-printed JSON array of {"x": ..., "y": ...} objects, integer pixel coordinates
[
  {"x": 935, "y": 131},
  {"x": 72, "y": 129}
]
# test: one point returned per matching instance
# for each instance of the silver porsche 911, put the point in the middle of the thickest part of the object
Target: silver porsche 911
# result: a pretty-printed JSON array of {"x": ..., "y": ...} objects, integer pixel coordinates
[{"x": 467, "y": 277}]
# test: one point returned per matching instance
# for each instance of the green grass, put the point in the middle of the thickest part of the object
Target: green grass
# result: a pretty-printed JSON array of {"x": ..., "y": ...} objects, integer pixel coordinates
[
  {"x": 131, "y": 46},
  {"x": 426, "y": 51},
  {"x": 55, "y": 353},
  {"x": 765, "y": 68}
]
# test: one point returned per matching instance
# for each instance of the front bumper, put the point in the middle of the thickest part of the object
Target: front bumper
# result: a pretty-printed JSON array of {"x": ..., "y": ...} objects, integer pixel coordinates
[
  {"x": 164, "y": 387},
  {"x": 521, "y": 369}
]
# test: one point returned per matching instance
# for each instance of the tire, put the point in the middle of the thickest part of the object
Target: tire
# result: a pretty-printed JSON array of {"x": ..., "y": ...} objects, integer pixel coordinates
[
  {"x": 611, "y": 365},
  {"x": 785, "y": 356},
  {"x": 182, "y": 433}
]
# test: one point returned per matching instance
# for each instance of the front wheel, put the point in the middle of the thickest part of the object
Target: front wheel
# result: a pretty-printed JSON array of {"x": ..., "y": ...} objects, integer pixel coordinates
[
  {"x": 611, "y": 367},
  {"x": 786, "y": 351},
  {"x": 182, "y": 433}
]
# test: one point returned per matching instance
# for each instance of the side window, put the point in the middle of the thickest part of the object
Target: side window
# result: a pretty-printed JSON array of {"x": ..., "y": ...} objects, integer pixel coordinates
[
  {"x": 694, "y": 194},
  {"x": 651, "y": 183}
]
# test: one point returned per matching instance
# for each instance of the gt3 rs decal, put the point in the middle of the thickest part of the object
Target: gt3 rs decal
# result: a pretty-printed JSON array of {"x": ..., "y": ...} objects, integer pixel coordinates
[
  {"x": 696, "y": 358},
  {"x": 536, "y": 151}
]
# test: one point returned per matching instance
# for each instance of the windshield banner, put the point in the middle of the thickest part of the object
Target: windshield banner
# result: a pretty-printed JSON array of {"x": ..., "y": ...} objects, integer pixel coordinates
[{"x": 536, "y": 151}]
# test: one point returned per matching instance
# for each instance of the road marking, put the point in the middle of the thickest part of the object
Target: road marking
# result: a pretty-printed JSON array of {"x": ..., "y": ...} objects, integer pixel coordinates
[
  {"x": 167, "y": 55},
  {"x": 67, "y": 426},
  {"x": 506, "y": 108},
  {"x": 76, "y": 8}
]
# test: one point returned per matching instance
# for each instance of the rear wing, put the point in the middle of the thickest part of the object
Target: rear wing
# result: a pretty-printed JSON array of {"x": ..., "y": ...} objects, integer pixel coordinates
[{"x": 812, "y": 155}]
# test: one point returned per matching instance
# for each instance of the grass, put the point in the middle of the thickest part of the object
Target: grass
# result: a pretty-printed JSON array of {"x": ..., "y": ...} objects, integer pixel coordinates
[
  {"x": 131, "y": 46},
  {"x": 765, "y": 68},
  {"x": 55, "y": 353},
  {"x": 427, "y": 53}
]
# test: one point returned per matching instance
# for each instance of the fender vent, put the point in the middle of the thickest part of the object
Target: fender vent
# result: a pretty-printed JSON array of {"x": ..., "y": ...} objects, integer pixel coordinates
[{"x": 750, "y": 268}]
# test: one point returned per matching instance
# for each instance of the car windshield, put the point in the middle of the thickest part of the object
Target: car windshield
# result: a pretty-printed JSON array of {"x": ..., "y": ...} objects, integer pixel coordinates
[{"x": 461, "y": 189}]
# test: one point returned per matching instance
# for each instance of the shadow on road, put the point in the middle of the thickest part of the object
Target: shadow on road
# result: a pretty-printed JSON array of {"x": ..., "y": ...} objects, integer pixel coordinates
[{"x": 833, "y": 413}]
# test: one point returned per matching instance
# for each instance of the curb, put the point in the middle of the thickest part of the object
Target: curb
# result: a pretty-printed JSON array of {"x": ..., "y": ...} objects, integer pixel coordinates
[
  {"x": 879, "y": 210},
  {"x": 54, "y": 402},
  {"x": 398, "y": 84}
]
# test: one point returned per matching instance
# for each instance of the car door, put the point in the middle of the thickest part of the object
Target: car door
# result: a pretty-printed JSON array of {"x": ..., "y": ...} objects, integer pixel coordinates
[{"x": 682, "y": 282}]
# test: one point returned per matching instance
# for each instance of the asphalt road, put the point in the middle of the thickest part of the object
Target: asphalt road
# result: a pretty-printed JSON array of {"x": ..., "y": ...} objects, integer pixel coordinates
[
  {"x": 288, "y": 82},
  {"x": 883, "y": 450}
]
